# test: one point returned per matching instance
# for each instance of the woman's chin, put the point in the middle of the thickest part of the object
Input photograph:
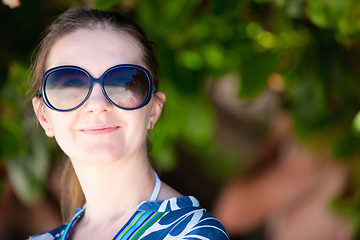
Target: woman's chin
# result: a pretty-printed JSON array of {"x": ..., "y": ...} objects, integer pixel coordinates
[{"x": 100, "y": 155}]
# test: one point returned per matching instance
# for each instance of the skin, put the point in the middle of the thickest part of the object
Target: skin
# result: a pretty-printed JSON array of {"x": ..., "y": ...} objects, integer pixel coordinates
[{"x": 106, "y": 145}]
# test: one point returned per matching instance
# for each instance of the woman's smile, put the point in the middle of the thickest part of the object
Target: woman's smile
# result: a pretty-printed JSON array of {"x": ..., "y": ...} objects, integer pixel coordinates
[{"x": 100, "y": 129}]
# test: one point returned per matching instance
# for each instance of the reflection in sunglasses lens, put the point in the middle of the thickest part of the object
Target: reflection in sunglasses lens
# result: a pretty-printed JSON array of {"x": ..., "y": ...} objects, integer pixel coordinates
[
  {"x": 126, "y": 87},
  {"x": 66, "y": 88}
]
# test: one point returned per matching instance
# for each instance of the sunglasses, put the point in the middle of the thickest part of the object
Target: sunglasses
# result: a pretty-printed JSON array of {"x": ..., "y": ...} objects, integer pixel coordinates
[{"x": 66, "y": 88}]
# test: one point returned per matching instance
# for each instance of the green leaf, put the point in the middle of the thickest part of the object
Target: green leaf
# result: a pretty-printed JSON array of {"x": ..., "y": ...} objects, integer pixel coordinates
[
  {"x": 12, "y": 143},
  {"x": 214, "y": 56},
  {"x": 191, "y": 59},
  {"x": 349, "y": 24},
  {"x": 106, "y": 4},
  {"x": 325, "y": 13},
  {"x": 256, "y": 68},
  {"x": 356, "y": 123},
  {"x": 263, "y": 1}
]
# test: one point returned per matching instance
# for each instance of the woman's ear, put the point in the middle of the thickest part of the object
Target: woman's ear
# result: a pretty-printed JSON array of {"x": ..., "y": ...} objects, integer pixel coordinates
[
  {"x": 41, "y": 116},
  {"x": 159, "y": 100}
]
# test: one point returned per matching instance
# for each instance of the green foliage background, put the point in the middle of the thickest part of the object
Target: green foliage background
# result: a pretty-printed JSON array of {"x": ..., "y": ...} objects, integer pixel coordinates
[{"x": 311, "y": 45}]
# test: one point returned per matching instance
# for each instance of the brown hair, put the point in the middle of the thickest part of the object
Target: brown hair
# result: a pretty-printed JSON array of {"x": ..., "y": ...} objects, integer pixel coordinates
[{"x": 70, "y": 21}]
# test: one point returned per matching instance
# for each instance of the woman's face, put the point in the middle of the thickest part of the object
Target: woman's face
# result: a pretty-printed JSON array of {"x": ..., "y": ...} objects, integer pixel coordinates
[{"x": 98, "y": 131}]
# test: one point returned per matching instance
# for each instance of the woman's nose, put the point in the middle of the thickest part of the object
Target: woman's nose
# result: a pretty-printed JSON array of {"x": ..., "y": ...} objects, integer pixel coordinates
[{"x": 97, "y": 102}]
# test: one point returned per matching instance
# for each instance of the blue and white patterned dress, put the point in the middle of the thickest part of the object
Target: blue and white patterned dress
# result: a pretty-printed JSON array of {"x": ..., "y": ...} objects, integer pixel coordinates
[{"x": 175, "y": 218}]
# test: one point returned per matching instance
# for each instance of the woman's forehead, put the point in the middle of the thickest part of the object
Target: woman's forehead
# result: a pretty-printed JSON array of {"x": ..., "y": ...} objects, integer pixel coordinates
[{"x": 96, "y": 48}]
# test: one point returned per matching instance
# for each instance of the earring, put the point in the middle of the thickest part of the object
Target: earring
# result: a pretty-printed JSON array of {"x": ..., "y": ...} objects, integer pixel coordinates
[
  {"x": 151, "y": 126},
  {"x": 49, "y": 133}
]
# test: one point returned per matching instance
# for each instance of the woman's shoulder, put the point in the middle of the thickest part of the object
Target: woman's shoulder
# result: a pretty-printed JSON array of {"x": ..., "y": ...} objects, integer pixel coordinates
[
  {"x": 51, "y": 235},
  {"x": 183, "y": 217}
]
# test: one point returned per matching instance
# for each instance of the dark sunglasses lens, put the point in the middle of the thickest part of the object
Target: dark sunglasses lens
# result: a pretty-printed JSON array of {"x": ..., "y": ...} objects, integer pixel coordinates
[
  {"x": 127, "y": 87},
  {"x": 66, "y": 88}
]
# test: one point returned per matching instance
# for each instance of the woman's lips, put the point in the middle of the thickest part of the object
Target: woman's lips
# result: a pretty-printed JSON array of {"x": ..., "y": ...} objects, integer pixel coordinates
[{"x": 99, "y": 130}]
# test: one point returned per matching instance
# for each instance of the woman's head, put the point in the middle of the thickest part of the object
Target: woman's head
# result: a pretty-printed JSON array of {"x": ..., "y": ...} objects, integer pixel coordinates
[{"x": 112, "y": 54}]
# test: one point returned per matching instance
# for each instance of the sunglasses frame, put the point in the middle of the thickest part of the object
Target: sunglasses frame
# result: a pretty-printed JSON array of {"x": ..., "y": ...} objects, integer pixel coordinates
[{"x": 99, "y": 80}]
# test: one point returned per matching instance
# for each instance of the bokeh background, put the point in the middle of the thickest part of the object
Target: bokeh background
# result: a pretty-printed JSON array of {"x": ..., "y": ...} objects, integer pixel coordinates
[{"x": 261, "y": 121}]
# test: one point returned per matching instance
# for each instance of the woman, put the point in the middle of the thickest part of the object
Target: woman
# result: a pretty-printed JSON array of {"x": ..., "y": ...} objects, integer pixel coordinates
[{"x": 94, "y": 82}]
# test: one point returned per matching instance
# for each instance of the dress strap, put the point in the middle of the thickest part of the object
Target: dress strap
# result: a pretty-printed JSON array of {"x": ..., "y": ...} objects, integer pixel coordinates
[{"x": 157, "y": 187}]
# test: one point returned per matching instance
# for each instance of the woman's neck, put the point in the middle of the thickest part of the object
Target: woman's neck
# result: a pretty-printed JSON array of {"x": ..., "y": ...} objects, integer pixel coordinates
[{"x": 115, "y": 189}]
